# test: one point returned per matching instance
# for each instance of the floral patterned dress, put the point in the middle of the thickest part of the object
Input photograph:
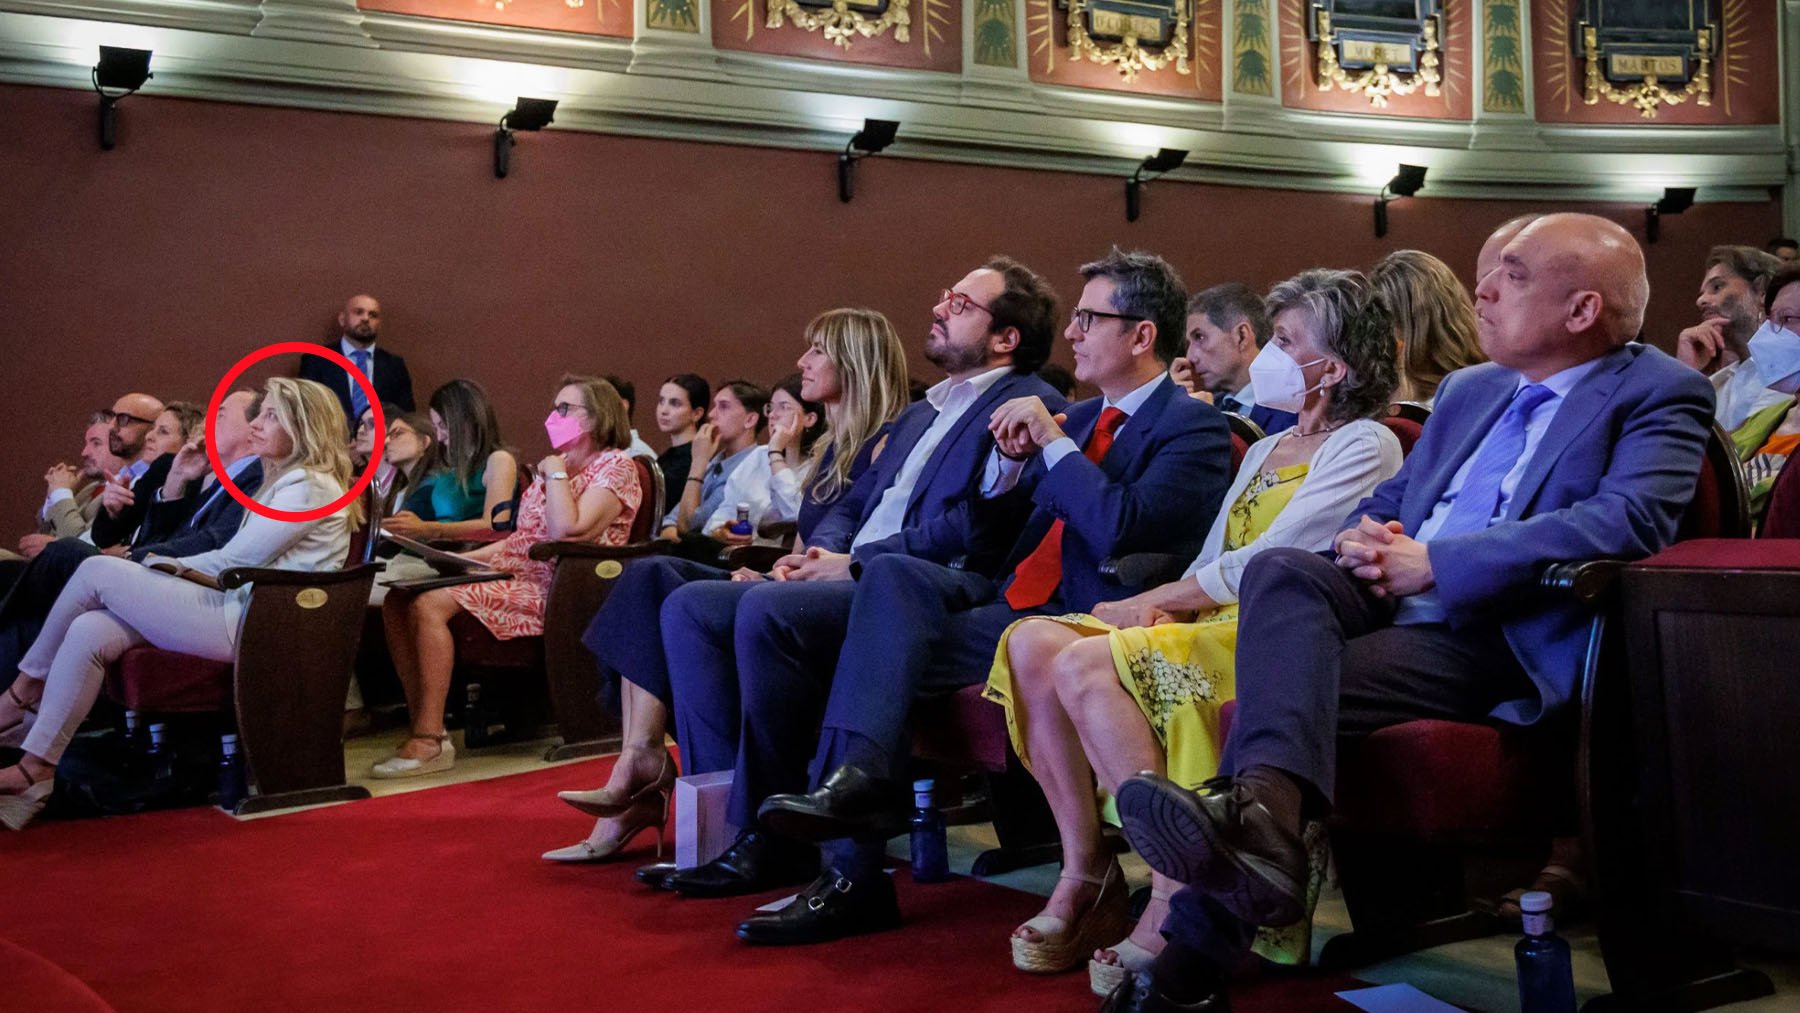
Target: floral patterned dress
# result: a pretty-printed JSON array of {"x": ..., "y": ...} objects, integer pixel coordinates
[
  {"x": 1181, "y": 674},
  {"x": 515, "y": 608}
]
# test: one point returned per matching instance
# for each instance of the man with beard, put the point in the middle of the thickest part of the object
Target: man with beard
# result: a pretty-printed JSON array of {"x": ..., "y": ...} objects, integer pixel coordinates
[
  {"x": 360, "y": 322},
  {"x": 1731, "y": 309},
  {"x": 920, "y": 498},
  {"x": 73, "y": 496},
  {"x": 123, "y": 460}
]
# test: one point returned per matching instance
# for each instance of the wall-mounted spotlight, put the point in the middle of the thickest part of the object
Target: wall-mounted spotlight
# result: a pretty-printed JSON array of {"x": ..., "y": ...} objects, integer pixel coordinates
[
  {"x": 119, "y": 73},
  {"x": 1675, "y": 200},
  {"x": 1157, "y": 164},
  {"x": 874, "y": 136},
  {"x": 528, "y": 114},
  {"x": 1405, "y": 183}
]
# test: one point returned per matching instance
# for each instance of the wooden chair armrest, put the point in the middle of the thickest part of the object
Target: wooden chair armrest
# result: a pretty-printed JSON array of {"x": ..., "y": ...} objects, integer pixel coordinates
[
  {"x": 240, "y": 575},
  {"x": 1144, "y": 569},
  {"x": 549, "y": 551},
  {"x": 778, "y": 531},
  {"x": 760, "y": 558},
  {"x": 1591, "y": 582}
]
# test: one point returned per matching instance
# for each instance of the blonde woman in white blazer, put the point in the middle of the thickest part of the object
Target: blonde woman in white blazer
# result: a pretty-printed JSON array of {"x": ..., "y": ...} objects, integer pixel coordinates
[
  {"x": 113, "y": 604},
  {"x": 1138, "y": 684}
]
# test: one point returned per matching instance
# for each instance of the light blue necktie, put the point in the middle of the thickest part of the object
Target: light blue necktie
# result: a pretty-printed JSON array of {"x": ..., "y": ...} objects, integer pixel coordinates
[
  {"x": 359, "y": 402},
  {"x": 1479, "y": 499}
]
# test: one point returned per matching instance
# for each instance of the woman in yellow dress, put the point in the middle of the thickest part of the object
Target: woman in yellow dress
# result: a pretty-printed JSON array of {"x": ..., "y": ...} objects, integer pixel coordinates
[{"x": 1138, "y": 684}]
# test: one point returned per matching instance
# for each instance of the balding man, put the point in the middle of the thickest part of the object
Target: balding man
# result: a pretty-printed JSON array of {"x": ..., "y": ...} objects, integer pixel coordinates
[
  {"x": 1571, "y": 444},
  {"x": 359, "y": 325},
  {"x": 1489, "y": 257}
]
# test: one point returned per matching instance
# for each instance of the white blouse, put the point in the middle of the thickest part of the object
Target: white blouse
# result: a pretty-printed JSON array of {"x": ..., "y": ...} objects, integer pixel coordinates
[
  {"x": 772, "y": 496},
  {"x": 1346, "y": 468}
]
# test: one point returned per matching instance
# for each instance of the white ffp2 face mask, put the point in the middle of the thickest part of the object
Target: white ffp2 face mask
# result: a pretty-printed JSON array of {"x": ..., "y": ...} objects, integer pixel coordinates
[
  {"x": 1279, "y": 381},
  {"x": 1775, "y": 351}
]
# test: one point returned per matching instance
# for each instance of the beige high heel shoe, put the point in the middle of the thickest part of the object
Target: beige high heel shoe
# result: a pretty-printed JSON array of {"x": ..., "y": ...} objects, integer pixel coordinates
[
  {"x": 605, "y": 803},
  {"x": 648, "y": 812},
  {"x": 13, "y": 735},
  {"x": 1104, "y": 977},
  {"x": 21, "y": 808},
  {"x": 1062, "y": 946}
]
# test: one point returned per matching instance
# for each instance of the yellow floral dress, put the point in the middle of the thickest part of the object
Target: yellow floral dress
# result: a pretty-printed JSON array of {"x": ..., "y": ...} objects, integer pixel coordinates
[{"x": 1181, "y": 674}]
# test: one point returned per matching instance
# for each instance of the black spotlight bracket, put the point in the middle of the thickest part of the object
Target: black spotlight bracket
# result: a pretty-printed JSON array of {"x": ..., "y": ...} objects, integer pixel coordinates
[
  {"x": 119, "y": 73},
  {"x": 1675, "y": 200},
  {"x": 1157, "y": 164},
  {"x": 527, "y": 114},
  {"x": 875, "y": 136},
  {"x": 1405, "y": 183}
]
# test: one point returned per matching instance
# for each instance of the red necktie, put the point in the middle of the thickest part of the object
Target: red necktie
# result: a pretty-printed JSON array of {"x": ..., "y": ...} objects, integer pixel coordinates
[{"x": 1039, "y": 574}]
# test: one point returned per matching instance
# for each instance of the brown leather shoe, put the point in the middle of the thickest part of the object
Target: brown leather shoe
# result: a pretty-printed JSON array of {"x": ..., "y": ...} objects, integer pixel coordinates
[{"x": 1223, "y": 842}]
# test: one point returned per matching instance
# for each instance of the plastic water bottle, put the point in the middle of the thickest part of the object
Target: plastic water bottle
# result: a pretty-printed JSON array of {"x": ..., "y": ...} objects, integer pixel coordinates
[
  {"x": 930, "y": 848},
  {"x": 741, "y": 526},
  {"x": 1546, "y": 982},
  {"x": 475, "y": 720},
  {"x": 233, "y": 786},
  {"x": 135, "y": 745},
  {"x": 160, "y": 759}
]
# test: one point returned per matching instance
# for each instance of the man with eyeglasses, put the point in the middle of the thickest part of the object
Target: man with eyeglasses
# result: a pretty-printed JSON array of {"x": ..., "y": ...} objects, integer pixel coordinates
[
  {"x": 990, "y": 333},
  {"x": 1142, "y": 468},
  {"x": 359, "y": 324}
]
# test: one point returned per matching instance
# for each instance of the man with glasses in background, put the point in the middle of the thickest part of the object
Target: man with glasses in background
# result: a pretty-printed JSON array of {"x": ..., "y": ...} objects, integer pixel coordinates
[{"x": 1142, "y": 468}]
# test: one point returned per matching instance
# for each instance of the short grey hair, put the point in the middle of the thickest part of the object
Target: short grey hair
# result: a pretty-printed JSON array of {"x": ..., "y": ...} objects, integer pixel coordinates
[{"x": 1353, "y": 326}]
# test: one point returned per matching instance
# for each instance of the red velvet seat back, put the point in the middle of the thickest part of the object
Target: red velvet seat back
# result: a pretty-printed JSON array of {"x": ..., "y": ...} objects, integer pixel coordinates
[
  {"x": 1782, "y": 520},
  {"x": 649, "y": 513},
  {"x": 1238, "y": 449},
  {"x": 1721, "y": 504},
  {"x": 1406, "y": 430}
]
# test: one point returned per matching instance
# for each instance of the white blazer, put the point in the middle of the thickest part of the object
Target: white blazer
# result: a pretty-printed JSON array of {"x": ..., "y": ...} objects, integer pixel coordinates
[
  {"x": 320, "y": 544},
  {"x": 1344, "y": 471}
]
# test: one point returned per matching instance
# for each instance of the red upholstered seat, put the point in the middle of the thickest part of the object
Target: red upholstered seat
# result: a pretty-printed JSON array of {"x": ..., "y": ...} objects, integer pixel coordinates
[
  {"x": 1782, "y": 518},
  {"x": 1730, "y": 554},
  {"x": 961, "y": 728},
  {"x": 1406, "y": 430},
  {"x": 1238, "y": 449},
  {"x": 156, "y": 681},
  {"x": 476, "y": 646}
]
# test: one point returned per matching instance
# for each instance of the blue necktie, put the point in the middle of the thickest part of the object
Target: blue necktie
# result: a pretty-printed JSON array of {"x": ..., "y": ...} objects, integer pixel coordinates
[
  {"x": 359, "y": 402},
  {"x": 1479, "y": 499}
]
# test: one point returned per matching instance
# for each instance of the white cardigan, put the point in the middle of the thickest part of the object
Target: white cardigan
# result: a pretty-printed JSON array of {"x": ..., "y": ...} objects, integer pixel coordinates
[
  {"x": 1346, "y": 468},
  {"x": 320, "y": 544}
]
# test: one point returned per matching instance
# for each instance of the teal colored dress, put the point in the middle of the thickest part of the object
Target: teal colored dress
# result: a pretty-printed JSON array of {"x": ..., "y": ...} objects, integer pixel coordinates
[{"x": 438, "y": 498}]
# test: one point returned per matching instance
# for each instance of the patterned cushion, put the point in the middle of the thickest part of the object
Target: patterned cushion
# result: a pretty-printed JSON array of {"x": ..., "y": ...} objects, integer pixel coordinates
[{"x": 156, "y": 681}]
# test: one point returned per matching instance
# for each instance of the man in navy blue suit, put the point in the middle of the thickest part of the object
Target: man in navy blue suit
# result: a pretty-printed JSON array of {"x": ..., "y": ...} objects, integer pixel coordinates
[
  {"x": 1571, "y": 444},
  {"x": 360, "y": 320},
  {"x": 1226, "y": 327},
  {"x": 1141, "y": 468},
  {"x": 919, "y": 499}
]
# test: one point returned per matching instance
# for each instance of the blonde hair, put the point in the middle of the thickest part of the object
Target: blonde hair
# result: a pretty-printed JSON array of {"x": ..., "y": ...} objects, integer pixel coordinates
[
  {"x": 311, "y": 416},
  {"x": 1434, "y": 318},
  {"x": 871, "y": 368},
  {"x": 612, "y": 429}
]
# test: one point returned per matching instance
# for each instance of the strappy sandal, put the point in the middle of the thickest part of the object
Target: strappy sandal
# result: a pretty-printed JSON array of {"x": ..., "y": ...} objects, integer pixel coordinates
[
  {"x": 21, "y": 808},
  {"x": 13, "y": 735},
  {"x": 1061, "y": 946},
  {"x": 1132, "y": 958}
]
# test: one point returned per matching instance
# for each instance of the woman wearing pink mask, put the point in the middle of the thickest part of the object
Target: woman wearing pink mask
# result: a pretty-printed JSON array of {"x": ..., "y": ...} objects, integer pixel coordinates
[{"x": 586, "y": 490}]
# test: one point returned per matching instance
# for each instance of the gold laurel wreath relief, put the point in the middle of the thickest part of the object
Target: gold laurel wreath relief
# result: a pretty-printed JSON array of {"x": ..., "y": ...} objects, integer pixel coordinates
[
  {"x": 1379, "y": 81},
  {"x": 840, "y": 24},
  {"x": 1129, "y": 55},
  {"x": 1648, "y": 95}
]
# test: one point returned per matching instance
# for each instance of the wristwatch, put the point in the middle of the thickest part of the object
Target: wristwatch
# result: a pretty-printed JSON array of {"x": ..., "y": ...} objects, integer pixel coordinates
[{"x": 558, "y": 474}]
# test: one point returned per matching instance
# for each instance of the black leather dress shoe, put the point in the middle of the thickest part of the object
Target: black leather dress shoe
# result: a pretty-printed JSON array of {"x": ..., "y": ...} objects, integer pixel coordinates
[
  {"x": 653, "y": 875},
  {"x": 1223, "y": 842},
  {"x": 831, "y": 908},
  {"x": 755, "y": 862},
  {"x": 849, "y": 804},
  {"x": 1138, "y": 993}
]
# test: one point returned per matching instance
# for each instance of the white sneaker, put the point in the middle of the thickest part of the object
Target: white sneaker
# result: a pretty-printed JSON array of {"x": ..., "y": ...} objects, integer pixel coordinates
[{"x": 406, "y": 766}]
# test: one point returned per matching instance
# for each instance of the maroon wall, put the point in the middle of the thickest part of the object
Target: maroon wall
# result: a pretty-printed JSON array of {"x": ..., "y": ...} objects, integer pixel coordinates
[{"x": 215, "y": 228}]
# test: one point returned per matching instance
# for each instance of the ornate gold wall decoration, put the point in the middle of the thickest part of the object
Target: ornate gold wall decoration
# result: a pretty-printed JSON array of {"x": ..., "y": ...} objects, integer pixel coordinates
[
  {"x": 1648, "y": 94},
  {"x": 1134, "y": 31},
  {"x": 1380, "y": 80},
  {"x": 841, "y": 21},
  {"x": 995, "y": 31},
  {"x": 1252, "y": 72}
]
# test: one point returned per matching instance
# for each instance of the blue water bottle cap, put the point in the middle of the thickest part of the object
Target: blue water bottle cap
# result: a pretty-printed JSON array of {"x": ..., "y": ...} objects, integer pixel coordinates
[{"x": 1536, "y": 902}]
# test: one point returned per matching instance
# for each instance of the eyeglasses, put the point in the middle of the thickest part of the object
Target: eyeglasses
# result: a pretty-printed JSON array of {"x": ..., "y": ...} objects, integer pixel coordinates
[
  {"x": 563, "y": 409},
  {"x": 124, "y": 419},
  {"x": 960, "y": 301},
  {"x": 1084, "y": 318},
  {"x": 1788, "y": 322}
]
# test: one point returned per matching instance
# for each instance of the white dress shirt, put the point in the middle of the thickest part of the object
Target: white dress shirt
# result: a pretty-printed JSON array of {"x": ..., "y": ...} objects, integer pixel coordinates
[
  {"x": 952, "y": 399},
  {"x": 747, "y": 483},
  {"x": 1741, "y": 393},
  {"x": 1424, "y": 608},
  {"x": 639, "y": 448},
  {"x": 1344, "y": 470}
]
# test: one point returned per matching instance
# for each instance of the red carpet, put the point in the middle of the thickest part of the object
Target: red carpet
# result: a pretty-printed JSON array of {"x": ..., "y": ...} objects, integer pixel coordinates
[{"x": 437, "y": 900}]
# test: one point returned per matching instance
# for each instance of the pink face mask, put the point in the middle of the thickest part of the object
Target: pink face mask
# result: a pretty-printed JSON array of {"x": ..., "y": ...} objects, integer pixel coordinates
[{"x": 562, "y": 429}]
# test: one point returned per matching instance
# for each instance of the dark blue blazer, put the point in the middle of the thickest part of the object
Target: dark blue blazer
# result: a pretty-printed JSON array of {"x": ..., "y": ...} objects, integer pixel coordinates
[
  {"x": 393, "y": 383},
  {"x": 1610, "y": 479},
  {"x": 1271, "y": 420},
  {"x": 1157, "y": 490},
  {"x": 108, "y": 531},
  {"x": 198, "y": 522},
  {"x": 946, "y": 519}
]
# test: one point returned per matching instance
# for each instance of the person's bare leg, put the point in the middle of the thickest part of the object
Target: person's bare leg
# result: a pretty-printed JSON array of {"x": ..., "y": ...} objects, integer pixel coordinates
[
  {"x": 396, "y": 619},
  {"x": 1114, "y": 733},
  {"x": 430, "y": 614},
  {"x": 1058, "y": 764}
]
